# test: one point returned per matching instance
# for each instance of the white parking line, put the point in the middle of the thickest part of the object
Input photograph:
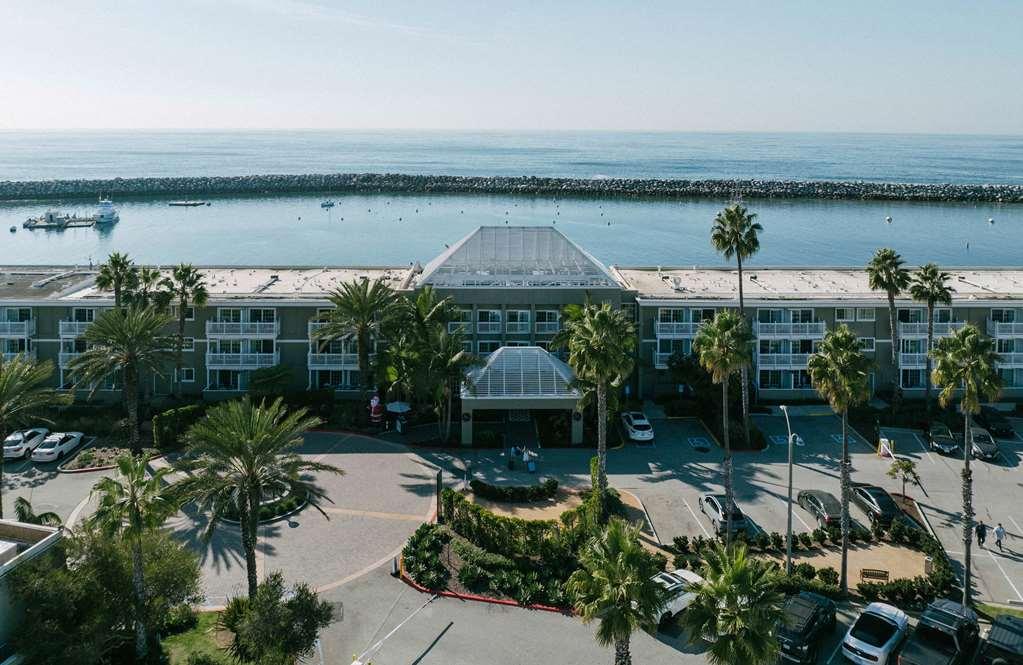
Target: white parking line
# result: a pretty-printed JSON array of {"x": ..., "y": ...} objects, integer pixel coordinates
[
  {"x": 1016, "y": 524},
  {"x": 699, "y": 523},
  {"x": 924, "y": 446},
  {"x": 1007, "y": 579},
  {"x": 805, "y": 525}
]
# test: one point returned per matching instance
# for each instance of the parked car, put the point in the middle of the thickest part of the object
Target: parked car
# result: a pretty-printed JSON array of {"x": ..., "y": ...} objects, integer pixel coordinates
[
  {"x": 947, "y": 634},
  {"x": 637, "y": 426},
  {"x": 806, "y": 619},
  {"x": 822, "y": 505},
  {"x": 984, "y": 445},
  {"x": 995, "y": 422},
  {"x": 876, "y": 502},
  {"x": 1004, "y": 643},
  {"x": 875, "y": 635},
  {"x": 20, "y": 444},
  {"x": 679, "y": 584},
  {"x": 712, "y": 505},
  {"x": 940, "y": 439},
  {"x": 56, "y": 446}
]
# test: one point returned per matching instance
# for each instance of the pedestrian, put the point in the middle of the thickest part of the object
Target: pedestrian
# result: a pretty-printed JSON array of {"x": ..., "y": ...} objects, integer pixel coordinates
[
  {"x": 981, "y": 530},
  {"x": 999, "y": 536}
]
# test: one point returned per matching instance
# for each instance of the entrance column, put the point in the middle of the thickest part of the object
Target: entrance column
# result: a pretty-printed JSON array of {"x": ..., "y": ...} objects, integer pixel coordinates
[
  {"x": 577, "y": 427},
  {"x": 466, "y": 426}
]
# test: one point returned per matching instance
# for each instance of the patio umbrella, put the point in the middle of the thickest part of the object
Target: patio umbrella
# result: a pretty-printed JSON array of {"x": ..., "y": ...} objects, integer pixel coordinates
[{"x": 398, "y": 407}]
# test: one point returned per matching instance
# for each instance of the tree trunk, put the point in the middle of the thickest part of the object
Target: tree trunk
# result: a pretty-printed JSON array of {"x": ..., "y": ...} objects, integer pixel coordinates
[
  {"x": 362, "y": 339},
  {"x": 179, "y": 360},
  {"x": 131, "y": 400},
  {"x": 744, "y": 372},
  {"x": 602, "y": 447},
  {"x": 249, "y": 543},
  {"x": 727, "y": 445},
  {"x": 138, "y": 581},
  {"x": 967, "y": 509},
  {"x": 622, "y": 654},
  {"x": 895, "y": 329},
  {"x": 447, "y": 420},
  {"x": 930, "y": 343},
  {"x": 845, "y": 480},
  {"x": 4, "y": 434}
]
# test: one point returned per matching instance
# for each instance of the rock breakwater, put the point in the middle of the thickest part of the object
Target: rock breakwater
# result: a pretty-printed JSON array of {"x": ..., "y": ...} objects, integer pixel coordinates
[{"x": 373, "y": 183}]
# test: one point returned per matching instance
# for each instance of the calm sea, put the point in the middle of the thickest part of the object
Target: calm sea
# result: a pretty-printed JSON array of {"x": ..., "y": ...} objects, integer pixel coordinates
[{"x": 395, "y": 230}]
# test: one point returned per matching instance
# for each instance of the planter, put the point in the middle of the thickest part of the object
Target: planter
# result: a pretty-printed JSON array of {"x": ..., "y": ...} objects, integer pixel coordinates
[{"x": 299, "y": 507}]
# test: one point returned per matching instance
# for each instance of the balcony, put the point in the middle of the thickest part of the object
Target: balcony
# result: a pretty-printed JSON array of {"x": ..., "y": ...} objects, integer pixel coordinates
[
  {"x": 485, "y": 327},
  {"x": 912, "y": 360},
  {"x": 1004, "y": 329},
  {"x": 74, "y": 329},
  {"x": 791, "y": 360},
  {"x": 314, "y": 326},
  {"x": 28, "y": 354},
  {"x": 242, "y": 329},
  {"x": 920, "y": 329},
  {"x": 17, "y": 329},
  {"x": 1010, "y": 359},
  {"x": 814, "y": 330},
  {"x": 64, "y": 358},
  {"x": 677, "y": 329},
  {"x": 547, "y": 327},
  {"x": 334, "y": 361},
  {"x": 661, "y": 360},
  {"x": 517, "y": 327},
  {"x": 464, "y": 327},
  {"x": 241, "y": 360}
]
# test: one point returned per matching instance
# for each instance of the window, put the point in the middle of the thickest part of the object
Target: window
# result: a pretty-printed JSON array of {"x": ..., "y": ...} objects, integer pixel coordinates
[
  {"x": 516, "y": 343},
  {"x": 488, "y": 320},
  {"x": 845, "y": 314},
  {"x": 865, "y": 313},
  {"x": 467, "y": 347},
  {"x": 261, "y": 346},
  {"x": 187, "y": 375},
  {"x": 913, "y": 316},
  {"x": 771, "y": 346},
  {"x": 488, "y": 347},
  {"x": 770, "y": 378},
  {"x": 263, "y": 315},
  {"x": 461, "y": 320},
  {"x": 801, "y": 379},
  {"x": 943, "y": 315},
  {"x": 1003, "y": 315},
  {"x": 803, "y": 346},
  {"x": 518, "y": 320},
  {"x": 83, "y": 315},
  {"x": 1005, "y": 345},
  {"x": 548, "y": 320},
  {"x": 229, "y": 315},
  {"x": 769, "y": 315},
  {"x": 912, "y": 378},
  {"x": 188, "y": 344},
  {"x": 18, "y": 314},
  {"x": 702, "y": 314},
  {"x": 671, "y": 315},
  {"x": 189, "y": 312},
  {"x": 867, "y": 344},
  {"x": 802, "y": 316},
  {"x": 673, "y": 346}
]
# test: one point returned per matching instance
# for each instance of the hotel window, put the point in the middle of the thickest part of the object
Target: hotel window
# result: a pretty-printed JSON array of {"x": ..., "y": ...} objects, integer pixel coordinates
[
  {"x": 516, "y": 343},
  {"x": 865, "y": 313},
  {"x": 189, "y": 312},
  {"x": 461, "y": 320},
  {"x": 669, "y": 315},
  {"x": 467, "y": 347},
  {"x": 229, "y": 315},
  {"x": 770, "y": 378},
  {"x": 83, "y": 315},
  {"x": 544, "y": 344},
  {"x": 261, "y": 346},
  {"x": 187, "y": 375},
  {"x": 802, "y": 316},
  {"x": 845, "y": 314},
  {"x": 1005, "y": 345},
  {"x": 18, "y": 314},
  {"x": 262, "y": 315},
  {"x": 915, "y": 315},
  {"x": 188, "y": 344},
  {"x": 702, "y": 314},
  {"x": 769, "y": 346},
  {"x": 488, "y": 347},
  {"x": 518, "y": 320},
  {"x": 548, "y": 320},
  {"x": 770, "y": 316},
  {"x": 943, "y": 315},
  {"x": 488, "y": 320},
  {"x": 803, "y": 346},
  {"x": 867, "y": 344},
  {"x": 801, "y": 379},
  {"x": 1003, "y": 315},
  {"x": 673, "y": 346},
  {"x": 913, "y": 378}
]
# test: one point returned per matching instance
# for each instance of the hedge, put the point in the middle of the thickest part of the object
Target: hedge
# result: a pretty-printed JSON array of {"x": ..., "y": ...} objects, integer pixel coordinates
[
  {"x": 496, "y": 533},
  {"x": 169, "y": 426},
  {"x": 421, "y": 556},
  {"x": 515, "y": 493}
]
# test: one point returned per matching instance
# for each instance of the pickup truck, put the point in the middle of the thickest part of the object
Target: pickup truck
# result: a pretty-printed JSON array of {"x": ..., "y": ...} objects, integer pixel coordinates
[{"x": 947, "y": 634}]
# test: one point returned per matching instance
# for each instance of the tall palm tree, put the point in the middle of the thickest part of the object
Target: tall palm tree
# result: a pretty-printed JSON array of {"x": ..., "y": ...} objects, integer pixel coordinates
[
  {"x": 930, "y": 285},
  {"x": 362, "y": 309},
  {"x": 418, "y": 315},
  {"x": 187, "y": 287},
  {"x": 723, "y": 348},
  {"x": 25, "y": 513},
  {"x": 739, "y": 606},
  {"x": 124, "y": 343},
  {"x": 841, "y": 375},
  {"x": 118, "y": 274},
  {"x": 613, "y": 586},
  {"x": 149, "y": 289},
  {"x": 24, "y": 397},
  {"x": 966, "y": 361},
  {"x": 445, "y": 365},
  {"x": 130, "y": 506},
  {"x": 886, "y": 272},
  {"x": 601, "y": 341},
  {"x": 736, "y": 233},
  {"x": 241, "y": 453}
]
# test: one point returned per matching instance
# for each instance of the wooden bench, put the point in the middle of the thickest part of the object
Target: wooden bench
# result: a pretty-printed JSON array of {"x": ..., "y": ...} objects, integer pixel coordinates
[{"x": 873, "y": 574}]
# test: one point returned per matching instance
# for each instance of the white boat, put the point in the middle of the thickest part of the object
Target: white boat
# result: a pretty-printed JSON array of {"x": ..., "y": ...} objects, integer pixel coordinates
[
  {"x": 106, "y": 214},
  {"x": 188, "y": 204},
  {"x": 327, "y": 204}
]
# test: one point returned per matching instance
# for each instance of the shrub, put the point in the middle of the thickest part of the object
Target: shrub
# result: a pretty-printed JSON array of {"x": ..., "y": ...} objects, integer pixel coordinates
[
  {"x": 793, "y": 584},
  {"x": 472, "y": 577},
  {"x": 171, "y": 425},
  {"x": 204, "y": 659},
  {"x": 421, "y": 556},
  {"x": 821, "y": 536},
  {"x": 828, "y": 575},
  {"x": 509, "y": 535},
  {"x": 804, "y": 570},
  {"x": 515, "y": 493},
  {"x": 897, "y": 532},
  {"x": 681, "y": 544},
  {"x": 777, "y": 542},
  {"x": 806, "y": 541},
  {"x": 871, "y": 591},
  {"x": 763, "y": 541},
  {"x": 877, "y": 529},
  {"x": 180, "y": 618}
]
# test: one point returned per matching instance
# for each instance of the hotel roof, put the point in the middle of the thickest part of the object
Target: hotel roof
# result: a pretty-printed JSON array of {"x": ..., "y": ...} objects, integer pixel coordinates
[
  {"x": 520, "y": 372},
  {"x": 516, "y": 257},
  {"x": 30, "y": 283}
]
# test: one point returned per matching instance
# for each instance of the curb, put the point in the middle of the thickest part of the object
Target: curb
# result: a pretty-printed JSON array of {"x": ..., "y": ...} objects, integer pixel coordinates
[{"x": 302, "y": 506}]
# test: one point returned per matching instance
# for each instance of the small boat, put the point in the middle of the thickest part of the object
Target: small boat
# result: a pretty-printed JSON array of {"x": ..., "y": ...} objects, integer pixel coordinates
[
  {"x": 14, "y": 229},
  {"x": 327, "y": 204},
  {"x": 188, "y": 204}
]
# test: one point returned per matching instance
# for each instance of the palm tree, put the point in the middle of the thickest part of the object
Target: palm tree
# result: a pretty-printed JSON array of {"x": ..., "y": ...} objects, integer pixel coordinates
[
  {"x": 149, "y": 289},
  {"x": 445, "y": 365},
  {"x": 601, "y": 341},
  {"x": 738, "y": 607},
  {"x": 930, "y": 285},
  {"x": 24, "y": 512},
  {"x": 613, "y": 585},
  {"x": 885, "y": 272},
  {"x": 188, "y": 287},
  {"x": 418, "y": 315},
  {"x": 239, "y": 454},
  {"x": 736, "y": 233},
  {"x": 723, "y": 347},
  {"x": 840, "y": 373},
  {"x": 362, "y": 309},
  {"x": 118, "y": 274},
  {"x": 129, "y": 508},
  {"x": 966, "y": 361},
  {"x": 125, "y": 343},
  {"x": 24, "y": 396}
]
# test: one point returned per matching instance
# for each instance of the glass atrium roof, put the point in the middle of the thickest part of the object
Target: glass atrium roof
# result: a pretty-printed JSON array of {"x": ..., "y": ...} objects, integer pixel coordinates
[{"x": 520, "y": 372}]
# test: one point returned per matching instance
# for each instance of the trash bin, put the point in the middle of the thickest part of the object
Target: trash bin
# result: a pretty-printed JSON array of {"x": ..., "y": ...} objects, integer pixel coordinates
[{"x": 531, "y": 466}]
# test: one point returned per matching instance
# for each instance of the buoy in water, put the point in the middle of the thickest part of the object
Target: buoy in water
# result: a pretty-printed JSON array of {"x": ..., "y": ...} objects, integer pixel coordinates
[
  {"x": 990, "y": 220},
  {"x": 14, "y": 229},
  {"x": 888, "y": 220}
]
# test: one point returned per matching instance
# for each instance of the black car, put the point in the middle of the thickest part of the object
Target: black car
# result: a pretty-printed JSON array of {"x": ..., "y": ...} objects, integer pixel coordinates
[
  {"x": 984, "y": 445},
  {"x": 940, "y": 439},
  {"x": 947, "y": 634},
  {"x": 995, "y": 422},
  {"x": 876, "y": 502},
  {"x": 807, "y": 617},
  {"x": 1004, "y": 643},
  {"x": 823, "y": 506},
  {"x": 712, "y": 505}
]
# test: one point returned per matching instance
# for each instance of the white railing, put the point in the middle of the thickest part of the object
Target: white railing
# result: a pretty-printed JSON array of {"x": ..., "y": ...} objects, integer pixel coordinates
[
  {"x": 517, "y": 326},
  {"x": 547, "y": 327},
  {"x": 783, "y": 360},
  {"x": 29, "y": 354},
  {"x": 459, "y": 326},
  {"x": 334, "y": 360},
  {"x": 920, "y": 329},
  {"x": 242, "y": 329},
  {"x": 661, "y": 360},
  {"x": 17, "y": 328},
  {"x": 789, "y": 329},
  {"x": 1003, "y": 329},
  {"x": 64, "y": 358},
  {"x": 912, "y": 360},
  {"x": 488, "y": 327},
  {"x": 677, "y": 329},
  {"x": 74, "y": 328},
  {"x": 1010, "y": 359},
  {"x": 242, "y": 360}
]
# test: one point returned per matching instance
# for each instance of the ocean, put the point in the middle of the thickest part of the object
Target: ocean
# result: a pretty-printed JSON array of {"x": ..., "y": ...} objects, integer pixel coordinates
[{"x": 388, "y": 229}]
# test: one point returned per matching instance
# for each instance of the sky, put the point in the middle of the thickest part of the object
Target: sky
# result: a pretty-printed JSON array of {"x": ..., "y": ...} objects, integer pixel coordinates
[{"x": 659, "y": 65}]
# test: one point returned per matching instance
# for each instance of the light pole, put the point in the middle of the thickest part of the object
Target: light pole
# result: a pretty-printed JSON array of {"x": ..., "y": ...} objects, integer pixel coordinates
[{"x": 788, "y": 527}]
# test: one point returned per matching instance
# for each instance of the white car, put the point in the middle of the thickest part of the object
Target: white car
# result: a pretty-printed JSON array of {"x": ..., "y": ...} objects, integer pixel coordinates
[
  {"x": 20, "y": 444},
  {"x": 56, "y": 446},
  {"x": 680, "y": 585},
  {"x": 637, "y": 426},
  {"x": 876, "y": 634}
]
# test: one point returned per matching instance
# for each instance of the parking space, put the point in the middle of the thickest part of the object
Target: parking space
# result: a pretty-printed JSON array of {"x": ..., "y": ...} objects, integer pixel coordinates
[{"x": 47, "y": 489}]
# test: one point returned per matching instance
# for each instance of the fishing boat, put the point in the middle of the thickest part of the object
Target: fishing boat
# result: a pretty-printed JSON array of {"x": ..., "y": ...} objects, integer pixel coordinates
[
  {"x": 327, "y": 204},
  {"x": 188, "y": 204}
]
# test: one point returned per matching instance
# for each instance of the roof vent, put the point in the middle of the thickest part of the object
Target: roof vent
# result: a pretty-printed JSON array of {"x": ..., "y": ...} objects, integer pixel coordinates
[{"x": 753, "y": 277}]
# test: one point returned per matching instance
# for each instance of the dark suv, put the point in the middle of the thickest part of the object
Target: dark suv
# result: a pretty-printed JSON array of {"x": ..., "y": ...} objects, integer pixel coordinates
[
  {"x": 806, "y": 618},
  {"x": 1004, "y": 642},
  {"x": 876, "y": 502},
  {"x": 825, "y": 507},
  {"x": 995, "y": 422},
  {"x": 947, "y": 634}
]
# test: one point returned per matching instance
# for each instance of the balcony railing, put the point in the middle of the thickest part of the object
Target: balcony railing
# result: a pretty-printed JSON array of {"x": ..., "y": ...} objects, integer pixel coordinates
[
  {"x": 517, "y": 326},
  {"x": 677, "y": 328},
  {"x": 74, "y": 328},
  {"x": 488, "y": 327},
  {"x": 64, "y": 358},
  {"x": 29, "y": 354},
  {"x": 920, "y": 329},
  {"x": 548, "y": 327},
  {"x": 798, "y": 360},
  {"x": 242, "y": 329},
  {"x": 912, "y": 360},
  {"x": 242, "y": 360},
  {"x": 661, "y": 360},
  {"x": 334, "y": 360},
  {"x": 1004, "y": 329},
  {"x": 789, "y": 329},
  {"x": 464, "y": 327},
  {"x": 314, "y": 326},
  {"x": 1010, "y": 359},
  {"x": 17, "y": 328}
]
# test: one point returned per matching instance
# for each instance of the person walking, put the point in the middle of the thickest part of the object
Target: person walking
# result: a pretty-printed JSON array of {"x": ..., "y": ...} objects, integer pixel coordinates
[
  {"x": 999, "y": 536},
  {"x": 981, "y": 530}
]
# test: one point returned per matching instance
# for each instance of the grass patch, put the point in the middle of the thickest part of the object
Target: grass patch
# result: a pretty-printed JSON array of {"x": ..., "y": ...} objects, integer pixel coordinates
[
  {"x": 991, "y": 611},
  {"x": 200, "y": 640}
]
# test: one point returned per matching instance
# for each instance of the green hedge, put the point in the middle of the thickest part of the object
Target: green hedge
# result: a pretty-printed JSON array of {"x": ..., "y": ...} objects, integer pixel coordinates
[
  {"x": 171, "y": 425},
  {"x": 515, "y": 493},
  {"x": 421, "y": 556},
  {"x": 496, "y": 533}
]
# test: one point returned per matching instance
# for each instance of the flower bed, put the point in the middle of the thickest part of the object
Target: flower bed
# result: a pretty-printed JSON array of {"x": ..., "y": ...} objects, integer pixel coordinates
[
  {"x": 272, "y": 510},
  {"x": 101, "y": 454}
]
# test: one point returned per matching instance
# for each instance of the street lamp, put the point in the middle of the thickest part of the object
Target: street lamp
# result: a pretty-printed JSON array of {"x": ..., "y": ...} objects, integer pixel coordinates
[{"x": 788, "y": 527}]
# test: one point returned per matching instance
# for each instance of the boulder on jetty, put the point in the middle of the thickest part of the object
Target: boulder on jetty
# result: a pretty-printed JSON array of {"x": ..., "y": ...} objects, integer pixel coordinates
[{"x": 363, "y": 183}]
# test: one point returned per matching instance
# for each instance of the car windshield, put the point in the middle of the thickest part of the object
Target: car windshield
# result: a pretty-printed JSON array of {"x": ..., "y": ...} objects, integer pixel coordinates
[
  {"x": 935, "y": 638},
  {"x": 873, "y": 630},
  {"x": 49, "y": 443},
  {"x": 983, "y": 439},
  {"x": 640, "y": 427},
  {"x": 885, "y": 502},
  {"x": 14, "y": 439}
]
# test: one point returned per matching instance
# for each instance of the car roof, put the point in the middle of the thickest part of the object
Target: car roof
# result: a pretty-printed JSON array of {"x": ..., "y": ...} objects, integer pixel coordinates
[
  {"x": 887, "y": 611},
  {"x": 949, "y": 613},
  {"x": 801, "y": 609},
  {"x": 1007, "y": 633},
  {"x": 637, "y": 414},
  {"x": 825, "y": 497}
]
